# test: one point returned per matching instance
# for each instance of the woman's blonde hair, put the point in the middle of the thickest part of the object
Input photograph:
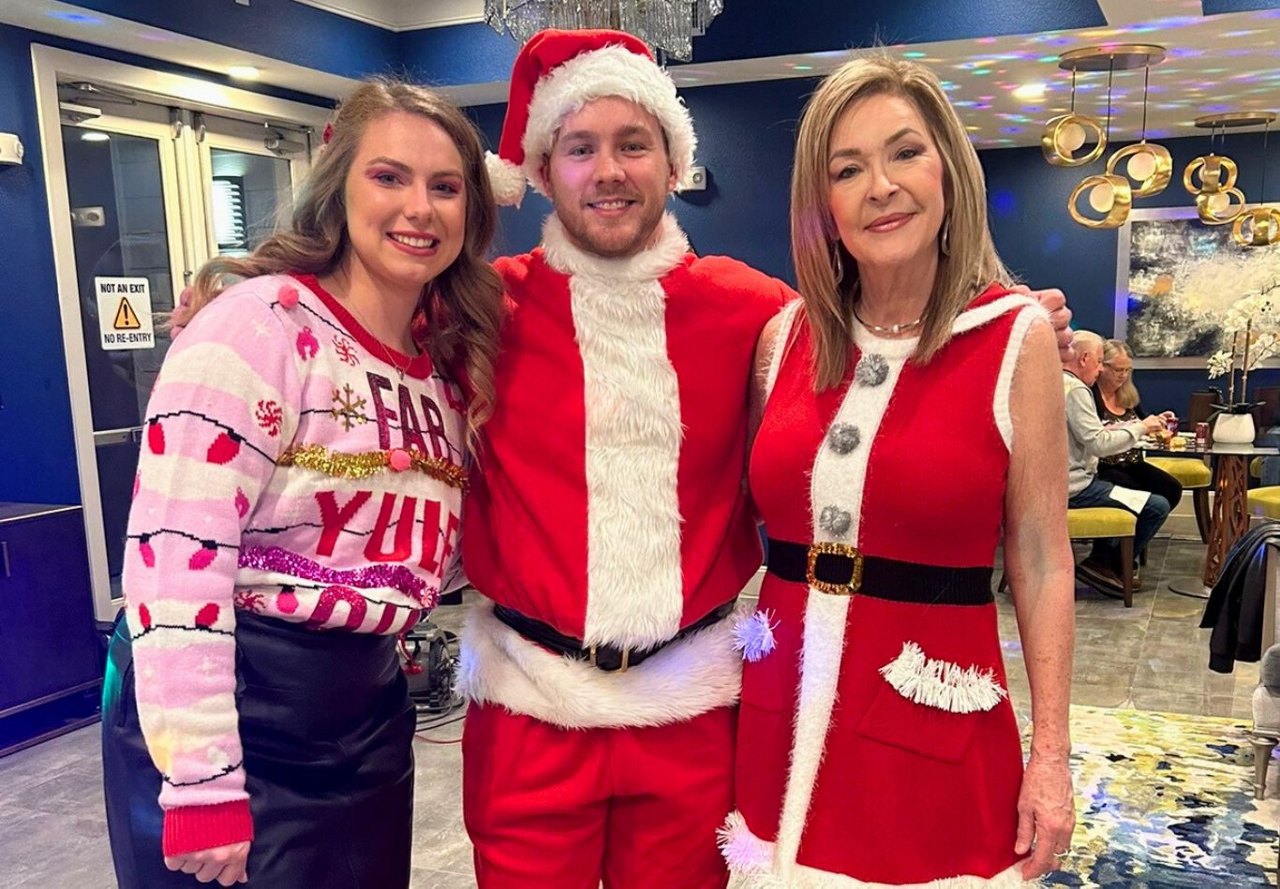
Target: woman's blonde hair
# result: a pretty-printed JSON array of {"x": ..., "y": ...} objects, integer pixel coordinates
[
  {"x": 1127, "y": 394},
  {"x": 462, "y": 308},
  {"x": 970, "y": 262}
]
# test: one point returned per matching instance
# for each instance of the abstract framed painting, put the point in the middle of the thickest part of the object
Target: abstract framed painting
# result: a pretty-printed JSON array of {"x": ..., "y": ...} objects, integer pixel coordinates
[{"x": 1175, "y": 279}]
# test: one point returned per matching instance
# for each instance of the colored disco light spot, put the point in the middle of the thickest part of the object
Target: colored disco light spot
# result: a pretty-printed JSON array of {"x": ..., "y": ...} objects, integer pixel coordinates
[
  {"x": 78, "y": 18},
  {"x": 1003, "y": 201}
]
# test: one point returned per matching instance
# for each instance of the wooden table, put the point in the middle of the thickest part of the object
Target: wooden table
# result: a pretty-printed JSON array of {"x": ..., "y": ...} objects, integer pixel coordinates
[{"x": 1230, "y": 516}]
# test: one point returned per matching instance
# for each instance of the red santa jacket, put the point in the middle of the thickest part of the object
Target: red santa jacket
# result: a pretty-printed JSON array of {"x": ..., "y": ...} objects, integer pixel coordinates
[{"x": 609, "y": 502}]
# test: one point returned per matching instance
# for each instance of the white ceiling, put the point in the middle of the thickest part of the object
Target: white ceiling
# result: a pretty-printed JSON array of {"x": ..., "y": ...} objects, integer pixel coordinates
[
  {"x": 1223, "y": 63},
  {"x": 405, "y": 15}
]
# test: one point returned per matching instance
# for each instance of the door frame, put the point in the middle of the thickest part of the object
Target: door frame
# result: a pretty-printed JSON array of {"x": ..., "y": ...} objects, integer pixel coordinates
[{"x": 49, "y": 65}]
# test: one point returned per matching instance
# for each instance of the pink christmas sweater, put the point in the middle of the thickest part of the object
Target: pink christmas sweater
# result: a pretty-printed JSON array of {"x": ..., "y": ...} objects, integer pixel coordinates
[{"x": 287, "y": 470}]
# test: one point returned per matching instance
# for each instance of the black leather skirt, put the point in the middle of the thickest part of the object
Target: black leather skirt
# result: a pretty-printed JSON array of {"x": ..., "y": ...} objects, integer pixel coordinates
[{"x": 327, "y": 730}]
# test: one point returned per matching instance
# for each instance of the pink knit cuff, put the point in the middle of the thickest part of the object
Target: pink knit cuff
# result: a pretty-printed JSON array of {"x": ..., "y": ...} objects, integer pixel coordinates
[{"x": 192, "y": 828}]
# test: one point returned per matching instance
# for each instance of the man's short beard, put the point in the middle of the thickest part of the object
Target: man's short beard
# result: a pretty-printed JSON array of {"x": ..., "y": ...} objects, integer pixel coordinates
[{"x": 586, "y": 242}]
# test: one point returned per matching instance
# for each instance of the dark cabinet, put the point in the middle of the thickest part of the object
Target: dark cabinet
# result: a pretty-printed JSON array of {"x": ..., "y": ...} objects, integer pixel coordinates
[{"x": 51, "y": 653}]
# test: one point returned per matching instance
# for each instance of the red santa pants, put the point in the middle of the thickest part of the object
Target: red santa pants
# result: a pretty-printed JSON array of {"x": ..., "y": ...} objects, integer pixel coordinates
[{"x": 566, "y": 808}]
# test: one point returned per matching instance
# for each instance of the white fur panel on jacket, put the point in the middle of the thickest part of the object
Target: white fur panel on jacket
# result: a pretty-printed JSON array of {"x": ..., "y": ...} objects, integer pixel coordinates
[
  {"x": 686, "y": 679},
  {"x": 631, "y": 398}
]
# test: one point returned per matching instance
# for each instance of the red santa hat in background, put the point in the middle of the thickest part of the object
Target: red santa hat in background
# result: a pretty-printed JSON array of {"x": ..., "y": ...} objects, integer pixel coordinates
[{"x": 555, "y": 74}]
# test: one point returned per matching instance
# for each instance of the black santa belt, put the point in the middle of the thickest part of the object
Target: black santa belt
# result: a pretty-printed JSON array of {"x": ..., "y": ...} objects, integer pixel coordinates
[
  {"x": 841, "y": 570},
  {"x": 609, "y": 658}
]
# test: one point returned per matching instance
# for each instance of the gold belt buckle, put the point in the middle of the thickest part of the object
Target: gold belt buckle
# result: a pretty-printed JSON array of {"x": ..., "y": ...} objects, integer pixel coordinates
[
  {"x": 626, "y": 658},
  {"x": 835, "y": 549}
]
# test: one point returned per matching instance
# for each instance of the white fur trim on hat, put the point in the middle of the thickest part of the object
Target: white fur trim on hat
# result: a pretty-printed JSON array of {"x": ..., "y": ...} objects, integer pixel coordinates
[
  {"x": 610, "y": 71},
  {"x": 506, "y": 179}
]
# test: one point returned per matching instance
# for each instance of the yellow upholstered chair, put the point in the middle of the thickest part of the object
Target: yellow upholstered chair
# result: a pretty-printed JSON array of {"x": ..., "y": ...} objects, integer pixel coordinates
[
  {"x": 1094, "y": 522},
  {"x": 1196, "y": 477},
  {"x": 1265, "y": 501}
]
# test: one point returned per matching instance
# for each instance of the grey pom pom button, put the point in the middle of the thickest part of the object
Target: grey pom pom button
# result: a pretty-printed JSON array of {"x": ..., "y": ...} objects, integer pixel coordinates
[
  {"x": 872, "y": 370},
  {"x": 843, "y": 438},
  {"x": 835, "y": 521}
]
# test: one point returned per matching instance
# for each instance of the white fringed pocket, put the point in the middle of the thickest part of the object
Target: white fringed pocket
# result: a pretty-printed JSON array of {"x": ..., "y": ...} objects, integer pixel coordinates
[{"x": 942, "y": 684}]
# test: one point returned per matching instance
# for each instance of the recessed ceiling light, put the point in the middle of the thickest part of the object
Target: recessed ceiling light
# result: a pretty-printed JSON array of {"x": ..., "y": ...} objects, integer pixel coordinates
[
  {"x": 243, "y": 72},
  {"x": 1029, "y": 91},
  {"x": 94, "y": 136}
]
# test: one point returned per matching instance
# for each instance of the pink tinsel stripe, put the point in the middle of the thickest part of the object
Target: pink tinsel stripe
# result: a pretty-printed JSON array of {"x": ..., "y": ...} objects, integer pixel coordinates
[{"x": 397, "y": 577}]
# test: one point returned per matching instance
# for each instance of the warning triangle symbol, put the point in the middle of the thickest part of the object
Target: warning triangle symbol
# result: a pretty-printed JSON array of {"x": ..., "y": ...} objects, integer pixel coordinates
[{"x": 126, "y": 317}]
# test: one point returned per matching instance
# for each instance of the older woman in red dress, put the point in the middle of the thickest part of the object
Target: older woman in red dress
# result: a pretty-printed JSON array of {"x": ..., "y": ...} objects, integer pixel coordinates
[{"x": 912, "y": 422}]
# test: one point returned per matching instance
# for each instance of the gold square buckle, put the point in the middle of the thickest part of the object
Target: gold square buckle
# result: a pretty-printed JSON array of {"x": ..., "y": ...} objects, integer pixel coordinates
[
  {"x": 592, "y": 651},
  {"x": 834, "y": 549}
]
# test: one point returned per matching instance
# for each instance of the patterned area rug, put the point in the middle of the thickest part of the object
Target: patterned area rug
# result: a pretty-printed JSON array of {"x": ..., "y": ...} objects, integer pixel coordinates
[{"x": 1166, "y": 800}]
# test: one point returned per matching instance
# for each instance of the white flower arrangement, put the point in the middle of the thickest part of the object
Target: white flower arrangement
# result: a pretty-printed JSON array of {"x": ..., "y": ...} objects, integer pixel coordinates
[{"x": 1252, "y": 327}]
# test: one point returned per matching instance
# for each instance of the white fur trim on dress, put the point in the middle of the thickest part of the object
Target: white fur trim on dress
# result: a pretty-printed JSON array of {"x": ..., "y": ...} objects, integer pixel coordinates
[
  {"x": 786, "y": 320},
  {"x": 667, "y": 251},
  {"x": 942, "y": 684},
  {"x": 988, "y": 312},
  {"x": 506, "y": 179},
  {"x": 1004, "y": 382},
  {"x": 686, "y": 679},
  {"x": 751, "y": 860},
  {"x": 609, "y": 71},
  {"x": 838, "y": 480}
]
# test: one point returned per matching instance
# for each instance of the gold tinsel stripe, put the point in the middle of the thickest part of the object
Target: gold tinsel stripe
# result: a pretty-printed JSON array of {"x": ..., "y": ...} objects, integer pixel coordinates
[{"x": 370, "y": 463}]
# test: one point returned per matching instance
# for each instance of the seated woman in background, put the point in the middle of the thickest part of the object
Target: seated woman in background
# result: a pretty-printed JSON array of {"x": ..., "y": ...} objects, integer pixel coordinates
[{"x": 1117, "y": 401}]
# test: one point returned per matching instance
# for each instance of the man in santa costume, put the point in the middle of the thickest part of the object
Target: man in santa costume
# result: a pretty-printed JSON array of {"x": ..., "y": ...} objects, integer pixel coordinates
[{"x": 608, "y": 530}]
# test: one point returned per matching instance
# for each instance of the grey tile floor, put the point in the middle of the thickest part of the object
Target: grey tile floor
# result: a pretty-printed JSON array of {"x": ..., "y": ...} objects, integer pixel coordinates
[{"x": 1149, "y": 657}]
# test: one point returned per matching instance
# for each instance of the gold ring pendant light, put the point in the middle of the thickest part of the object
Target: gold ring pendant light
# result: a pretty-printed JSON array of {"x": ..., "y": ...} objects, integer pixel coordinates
[
  {"x": 1218, "y": 201},
  {"x": 1254, "y": 227},
  {"x": 1149, "y": 166}
]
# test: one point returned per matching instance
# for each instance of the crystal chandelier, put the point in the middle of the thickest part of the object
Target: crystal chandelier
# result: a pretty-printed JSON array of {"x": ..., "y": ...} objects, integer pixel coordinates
[{"x": 668, "y": 25}]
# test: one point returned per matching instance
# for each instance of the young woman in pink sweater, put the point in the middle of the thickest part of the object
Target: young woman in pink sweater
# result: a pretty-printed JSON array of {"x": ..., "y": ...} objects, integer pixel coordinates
[{"x": 296, "y": 506}]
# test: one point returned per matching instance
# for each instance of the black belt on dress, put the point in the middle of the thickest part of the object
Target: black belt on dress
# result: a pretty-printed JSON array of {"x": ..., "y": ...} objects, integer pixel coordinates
[
  {"x": 840, "y": 570},
  {"x": 609, "y": 658}
]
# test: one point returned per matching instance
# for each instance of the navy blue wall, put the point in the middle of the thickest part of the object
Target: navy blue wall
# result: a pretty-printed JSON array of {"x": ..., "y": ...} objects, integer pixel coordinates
[
  {"x": 37, "y": 462},
  {"x": 280, "y": 29}
]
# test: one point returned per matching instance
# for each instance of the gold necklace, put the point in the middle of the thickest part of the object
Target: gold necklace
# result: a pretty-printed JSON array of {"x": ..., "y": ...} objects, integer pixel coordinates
[
  {"x": 387, "y": 354},
  {"x": 892, "y": 329}
]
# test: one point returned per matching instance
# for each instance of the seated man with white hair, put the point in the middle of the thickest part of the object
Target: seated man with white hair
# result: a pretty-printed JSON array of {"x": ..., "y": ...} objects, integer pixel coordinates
[{"x": 1087, "y": 440}]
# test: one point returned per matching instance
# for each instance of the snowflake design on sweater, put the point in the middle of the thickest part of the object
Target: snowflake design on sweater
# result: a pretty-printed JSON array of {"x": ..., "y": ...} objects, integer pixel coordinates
[
  {"x": 250, "y": 600},
  {"x": 269, "y": 416},
  {"x": 346, "y": 350},
  {"x": 348, "y": 407}
]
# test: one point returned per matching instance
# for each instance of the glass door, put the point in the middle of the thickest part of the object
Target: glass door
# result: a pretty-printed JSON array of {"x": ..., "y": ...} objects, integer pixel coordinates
[
  {"x": 154, "y": 195},
  {"x": 248, "y": 178},
  {"x": 122, "y": 179},
  {"x": 149, "y": 174}
]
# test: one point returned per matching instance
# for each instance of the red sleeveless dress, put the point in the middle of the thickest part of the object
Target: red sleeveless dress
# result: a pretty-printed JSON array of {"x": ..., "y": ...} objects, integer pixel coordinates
[{"x": 876, "y": 740}]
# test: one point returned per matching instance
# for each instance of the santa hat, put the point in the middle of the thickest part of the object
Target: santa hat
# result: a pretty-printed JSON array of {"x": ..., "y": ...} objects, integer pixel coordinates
[{"x": 555, "y": 74}]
